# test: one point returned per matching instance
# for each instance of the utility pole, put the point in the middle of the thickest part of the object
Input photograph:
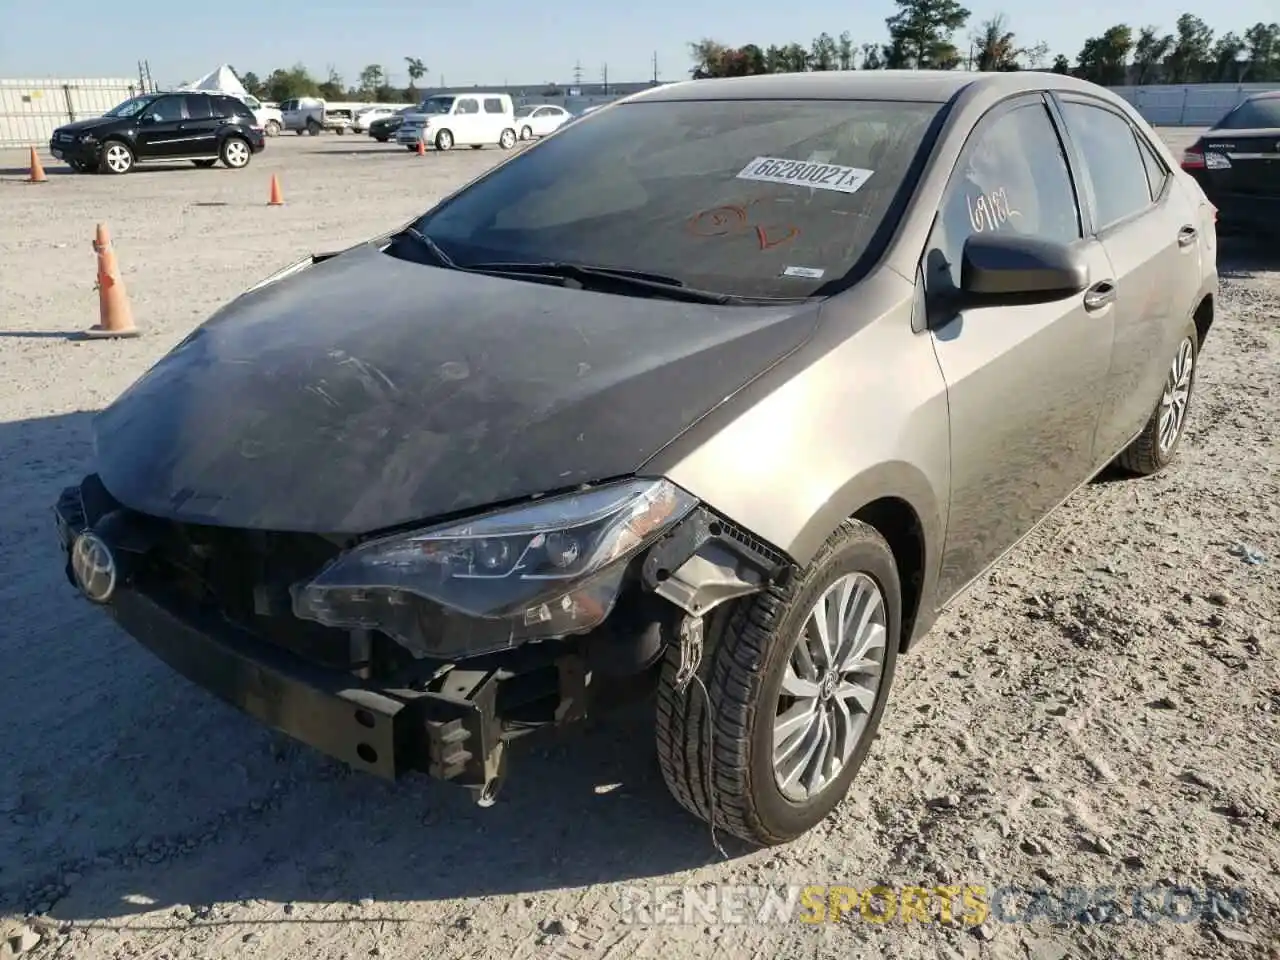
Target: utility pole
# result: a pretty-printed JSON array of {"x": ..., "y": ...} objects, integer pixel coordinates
[
  {"x": 604, "y": 77},
  {"x": 577, "y": 74},
  {"x": 655, "y": 67}
]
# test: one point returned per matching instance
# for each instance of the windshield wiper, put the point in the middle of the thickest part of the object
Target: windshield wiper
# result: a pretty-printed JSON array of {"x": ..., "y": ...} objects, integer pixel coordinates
[
  {"x": 431, "y": 247},
  {"x": 586, "y": 275}
]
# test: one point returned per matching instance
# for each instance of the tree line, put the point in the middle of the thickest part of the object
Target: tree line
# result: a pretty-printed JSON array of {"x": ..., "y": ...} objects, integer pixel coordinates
[
  {"x": 929, "y": 34},
  {"x": 372, "y": 85}
]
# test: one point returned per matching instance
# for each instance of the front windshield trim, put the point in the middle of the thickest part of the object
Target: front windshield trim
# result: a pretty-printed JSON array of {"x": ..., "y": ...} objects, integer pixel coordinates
[{"x": 878, "y": 243}]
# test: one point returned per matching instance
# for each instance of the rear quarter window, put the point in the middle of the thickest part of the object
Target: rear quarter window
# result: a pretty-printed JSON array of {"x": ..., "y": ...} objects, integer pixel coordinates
[
  {"x": 1263, "y": 113},
  {"x": 493, "y": 105}
]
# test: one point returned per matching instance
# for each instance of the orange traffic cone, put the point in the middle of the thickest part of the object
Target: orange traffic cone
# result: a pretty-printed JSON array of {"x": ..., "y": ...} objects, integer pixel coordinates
[
  {"x": 37, "y": 169},
  {"x": 115, "y": 316},
  {"x": 422, "y": 149},
  {"x": 277, "y": 197}
]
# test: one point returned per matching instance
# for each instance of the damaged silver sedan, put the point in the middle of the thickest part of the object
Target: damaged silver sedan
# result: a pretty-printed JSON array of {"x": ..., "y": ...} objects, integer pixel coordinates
[{"x": 715, "y": 397}]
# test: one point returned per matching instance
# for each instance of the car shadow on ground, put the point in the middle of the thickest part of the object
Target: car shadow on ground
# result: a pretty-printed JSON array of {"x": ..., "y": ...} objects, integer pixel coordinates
[
  {"x": 149, "y": 793},
  {"x": 1241, "y": 257}
]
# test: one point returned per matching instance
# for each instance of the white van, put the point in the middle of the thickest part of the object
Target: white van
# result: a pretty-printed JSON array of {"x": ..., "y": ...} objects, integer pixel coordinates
[{"x": 465, "y": 119}]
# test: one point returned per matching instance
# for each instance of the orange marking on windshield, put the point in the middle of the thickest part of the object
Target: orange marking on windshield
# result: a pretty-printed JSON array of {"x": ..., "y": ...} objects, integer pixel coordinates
[
  {"x": 718, "y": 221},
  {"x": 766, "y": 243}
]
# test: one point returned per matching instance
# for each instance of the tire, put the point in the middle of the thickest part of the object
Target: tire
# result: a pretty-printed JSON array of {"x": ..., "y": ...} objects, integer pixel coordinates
[
  {"x": 412, "y": 148},
  {"x": 747, "y": 655},
  {"x": 507, "y": 139},
  {"x": 477, "y": 146},
  {"x": 526, "y": 133},
  {"x": 204, "y": 164},
  {"x": 235, "y": 153},
  {"x": 272, "y": 128},
  {"x": 444, "y": 140},
  {"x": 1153, "y": 449},
  {"x": 299, "y": 132},
  {"x": 117, "y": 157},
  {"x": 382, "y": 139},
  {"x": 341, "y": 131},
  {"x": 313, "y": 128}
]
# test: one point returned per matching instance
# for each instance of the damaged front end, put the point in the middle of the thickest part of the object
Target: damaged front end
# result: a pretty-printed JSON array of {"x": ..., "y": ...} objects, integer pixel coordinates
[{"x": 425, "y": 649}]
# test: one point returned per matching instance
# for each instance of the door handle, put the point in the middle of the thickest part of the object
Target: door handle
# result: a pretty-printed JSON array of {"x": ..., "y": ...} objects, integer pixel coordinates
[
  {"x": 1099, "y": 295},
  {"x": 1186, "y": 236}
]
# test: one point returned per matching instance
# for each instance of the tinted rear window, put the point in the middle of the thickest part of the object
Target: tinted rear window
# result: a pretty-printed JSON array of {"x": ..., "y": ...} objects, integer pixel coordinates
[
  {"x": 1253, "y": 115},
  {"x": 756, "y": 198}
]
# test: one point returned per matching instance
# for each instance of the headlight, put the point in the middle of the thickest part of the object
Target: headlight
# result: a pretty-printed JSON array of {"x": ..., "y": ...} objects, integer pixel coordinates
[{"x": 548, "y": 569}]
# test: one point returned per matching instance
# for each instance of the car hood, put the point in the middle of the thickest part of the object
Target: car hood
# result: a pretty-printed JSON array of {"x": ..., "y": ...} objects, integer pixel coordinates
[
  {"x": 80, "y": 126},
  {"x": 367, "y": 392}
]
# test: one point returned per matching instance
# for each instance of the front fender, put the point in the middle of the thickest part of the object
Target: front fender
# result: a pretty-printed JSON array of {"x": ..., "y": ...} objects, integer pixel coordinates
[{"x": 857, "y": 414}]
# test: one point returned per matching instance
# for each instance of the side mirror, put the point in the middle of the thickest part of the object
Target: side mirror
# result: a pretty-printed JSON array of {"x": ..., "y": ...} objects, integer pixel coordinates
[{"x": 1000, "y": 269}]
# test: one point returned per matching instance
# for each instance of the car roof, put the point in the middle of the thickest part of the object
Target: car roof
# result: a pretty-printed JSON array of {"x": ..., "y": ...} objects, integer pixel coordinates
[
  {"x": 922, "y": 86},
  {"x": 1263, "y": 95}
]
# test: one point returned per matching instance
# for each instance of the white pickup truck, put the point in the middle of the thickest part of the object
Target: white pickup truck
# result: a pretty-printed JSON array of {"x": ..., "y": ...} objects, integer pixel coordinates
[{"x": 311, "y": 115}]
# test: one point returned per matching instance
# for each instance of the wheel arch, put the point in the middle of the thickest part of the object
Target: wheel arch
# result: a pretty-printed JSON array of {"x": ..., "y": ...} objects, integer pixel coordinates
[
  {"x": 1203, "y": 318},
  {"x": 897, "y": 500}
]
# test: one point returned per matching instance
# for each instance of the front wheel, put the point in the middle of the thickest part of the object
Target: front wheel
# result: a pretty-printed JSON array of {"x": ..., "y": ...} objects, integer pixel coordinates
[
  {"x": 526, "y": 133},
  {"x": 508, "y": 139},
  {"x": 797, "y": 679},
  {"x": 444, "y": 140},
  {"x": 1153, "y": 449},
  {"x": 117, "y": 158},
  {"x": 272, "y": 128},
  {"x": 235, "y": 153}
]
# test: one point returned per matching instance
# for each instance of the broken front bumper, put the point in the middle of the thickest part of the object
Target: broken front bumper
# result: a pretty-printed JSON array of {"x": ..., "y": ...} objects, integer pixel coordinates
[{"x": 453, "y": 735}]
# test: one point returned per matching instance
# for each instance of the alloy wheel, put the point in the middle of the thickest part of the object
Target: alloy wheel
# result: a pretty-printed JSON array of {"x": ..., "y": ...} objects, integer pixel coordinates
[
  {"x": 1177, "y": 391},
  {"x": 236, "y": 153},
  {"x": 118, "y": 158},
  {"x": 830, "y": 687}
]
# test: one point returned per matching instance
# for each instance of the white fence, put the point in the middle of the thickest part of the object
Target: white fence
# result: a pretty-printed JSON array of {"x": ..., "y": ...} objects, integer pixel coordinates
[
  {"x": 30, "y": 110},
  {"x": 1188, "y": 104}
]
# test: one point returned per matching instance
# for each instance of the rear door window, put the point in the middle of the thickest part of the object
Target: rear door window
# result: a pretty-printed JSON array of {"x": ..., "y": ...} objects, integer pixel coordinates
[
  {"x": 198, "y": 107},
  {"x": 467, "y": 105},
  {"x": 1116, "y": 173},
  {"x": 1260, "y": 114},
  {"x": 167, "y": 110}
]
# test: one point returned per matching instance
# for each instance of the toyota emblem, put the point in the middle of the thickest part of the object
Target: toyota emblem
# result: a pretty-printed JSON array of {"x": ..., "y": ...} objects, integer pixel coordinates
[{"x": 94, "y": 567}]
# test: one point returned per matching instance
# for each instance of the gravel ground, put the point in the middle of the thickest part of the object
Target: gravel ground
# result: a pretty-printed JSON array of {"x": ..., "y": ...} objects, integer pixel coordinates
[{"x": 1103, "y": 710}]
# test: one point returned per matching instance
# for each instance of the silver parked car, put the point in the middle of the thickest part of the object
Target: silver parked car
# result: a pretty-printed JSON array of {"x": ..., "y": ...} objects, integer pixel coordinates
[{"x": 721, "y": 393}]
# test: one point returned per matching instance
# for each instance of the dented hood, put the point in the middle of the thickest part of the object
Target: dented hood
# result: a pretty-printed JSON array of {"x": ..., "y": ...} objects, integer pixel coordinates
[{"x": 367, "y": 392}]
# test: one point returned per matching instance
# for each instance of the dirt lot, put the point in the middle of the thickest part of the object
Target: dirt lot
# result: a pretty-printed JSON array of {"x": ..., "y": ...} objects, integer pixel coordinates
[{"x": 1104, "y": 710}]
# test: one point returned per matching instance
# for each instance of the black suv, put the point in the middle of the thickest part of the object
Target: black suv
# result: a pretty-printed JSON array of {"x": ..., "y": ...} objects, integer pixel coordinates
[{"x": 161, "y": 128}]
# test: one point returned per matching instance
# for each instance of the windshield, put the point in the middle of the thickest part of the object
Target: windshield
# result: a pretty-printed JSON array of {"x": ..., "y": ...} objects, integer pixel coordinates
[
  {"x": 1260, "y": 114},
  {"x": 436, "y": 105},
  {"x": 130, "y": 108},
  {"x": 749, "y": 198}
]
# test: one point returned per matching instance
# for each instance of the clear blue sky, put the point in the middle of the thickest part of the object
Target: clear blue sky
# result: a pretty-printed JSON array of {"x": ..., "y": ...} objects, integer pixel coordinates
[{"x": 502, "y": 40}]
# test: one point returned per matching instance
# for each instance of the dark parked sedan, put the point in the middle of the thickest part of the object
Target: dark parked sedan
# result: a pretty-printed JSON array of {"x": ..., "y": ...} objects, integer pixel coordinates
[
  {"x": 723, "y": 391},
  {"x": 1237, "y": 163},
  {"x": 384, "y": 129}
]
